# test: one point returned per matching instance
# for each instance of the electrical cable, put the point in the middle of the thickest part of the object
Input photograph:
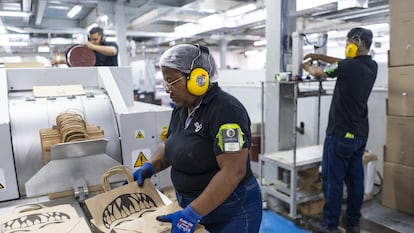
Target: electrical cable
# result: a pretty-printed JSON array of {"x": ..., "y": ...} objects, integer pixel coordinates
[
  {"x": 379, "y": 185},
  {"x": 315, "y": 46}
]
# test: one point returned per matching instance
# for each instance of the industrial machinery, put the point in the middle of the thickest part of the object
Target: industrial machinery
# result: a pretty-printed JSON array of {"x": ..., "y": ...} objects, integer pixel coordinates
[{"x": 31, "y": 99}]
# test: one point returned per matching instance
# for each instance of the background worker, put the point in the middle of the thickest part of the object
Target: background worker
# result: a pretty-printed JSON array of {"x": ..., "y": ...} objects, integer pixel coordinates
[
  {"x": 106, "y": 52},
  {"x": 347, "y": 131},
  {"x": 207, "y": 148}
]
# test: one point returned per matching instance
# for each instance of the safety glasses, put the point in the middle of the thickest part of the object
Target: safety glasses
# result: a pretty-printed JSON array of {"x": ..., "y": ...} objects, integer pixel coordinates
[{"x": 168, "y": 85}]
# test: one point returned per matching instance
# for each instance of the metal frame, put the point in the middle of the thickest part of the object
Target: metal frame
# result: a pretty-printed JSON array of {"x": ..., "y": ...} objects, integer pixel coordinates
[{"x": 291, "y": 158}]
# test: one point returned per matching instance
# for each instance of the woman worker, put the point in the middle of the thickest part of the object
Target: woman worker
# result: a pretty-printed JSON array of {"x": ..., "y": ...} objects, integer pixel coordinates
[{"x": 207, "y": 148}]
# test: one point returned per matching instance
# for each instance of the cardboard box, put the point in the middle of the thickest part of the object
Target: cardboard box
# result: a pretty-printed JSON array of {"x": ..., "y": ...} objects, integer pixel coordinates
[
  {"x": 313, "y": 185},
  {"x": 398, "y": 188},
  {"x": 400, "y": 6},
  {"x": 312, "y": 172},
  {"x": 401, "y": 91},
  {"x": 310, "y": 180},
  {"x": 311, "y": 207},
  {"x": 399, "y": 147},
  {"x": 401, "y": 33},
  {"x": 23, "y": 64}
]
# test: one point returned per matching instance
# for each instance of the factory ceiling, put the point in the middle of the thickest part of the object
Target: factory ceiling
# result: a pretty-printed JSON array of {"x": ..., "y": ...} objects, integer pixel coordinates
[{"x": 27, "y": 26}]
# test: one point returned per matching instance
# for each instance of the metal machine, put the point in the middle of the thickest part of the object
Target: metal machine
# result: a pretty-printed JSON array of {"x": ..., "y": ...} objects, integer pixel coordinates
[{"x": 132, "y": 130}]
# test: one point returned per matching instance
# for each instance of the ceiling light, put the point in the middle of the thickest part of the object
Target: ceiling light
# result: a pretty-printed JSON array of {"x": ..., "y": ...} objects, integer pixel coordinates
[
  {"x": 104, "y": 18},
  {"x": 251, "y": 52},
  {"x": 74, "y": 11},
  {"x": 56, "y": 7},
  {"x": 241, "y": 10},
  {"x": 259, "y": 43},
  {"x": 15, "y": 13}
]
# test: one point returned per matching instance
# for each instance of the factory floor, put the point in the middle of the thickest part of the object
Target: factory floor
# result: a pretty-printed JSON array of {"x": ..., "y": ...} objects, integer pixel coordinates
[{"x": 375, "y": 219}]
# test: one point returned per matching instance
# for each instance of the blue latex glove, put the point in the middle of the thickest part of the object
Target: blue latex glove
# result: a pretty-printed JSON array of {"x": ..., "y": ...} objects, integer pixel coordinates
[
  {"x": 183, "y": 221},
  {"x": 143, "y": 172}
]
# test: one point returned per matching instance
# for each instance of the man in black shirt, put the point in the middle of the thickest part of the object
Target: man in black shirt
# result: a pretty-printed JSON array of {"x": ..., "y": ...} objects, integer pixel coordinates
[
  {"x": 347, "y": 131},
  {"x": 106, "y": 52}
]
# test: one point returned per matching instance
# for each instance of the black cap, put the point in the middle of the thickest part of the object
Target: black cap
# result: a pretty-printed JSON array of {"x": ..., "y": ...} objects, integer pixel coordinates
[{"x": 362, "y": 34}]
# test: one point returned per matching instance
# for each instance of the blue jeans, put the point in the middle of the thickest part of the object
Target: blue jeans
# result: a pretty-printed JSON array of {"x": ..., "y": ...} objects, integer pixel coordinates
[
  {"x": 241, "y": 212},
  {"x": 342, "y": 161}
]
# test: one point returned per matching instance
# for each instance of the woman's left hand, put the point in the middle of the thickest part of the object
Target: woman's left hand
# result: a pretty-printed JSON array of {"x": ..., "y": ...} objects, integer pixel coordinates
[{"x": 183, "y": 221}]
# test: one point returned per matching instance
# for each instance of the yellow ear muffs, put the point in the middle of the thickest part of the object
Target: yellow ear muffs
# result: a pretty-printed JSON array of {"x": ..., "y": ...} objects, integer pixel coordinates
[
  {"x": 198, "y": 82},
  {"x": 351, "y": 50}
]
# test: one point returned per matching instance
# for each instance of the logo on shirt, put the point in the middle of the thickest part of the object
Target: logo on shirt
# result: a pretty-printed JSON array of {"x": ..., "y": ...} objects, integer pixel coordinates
[{"x": 198, "y": 127}]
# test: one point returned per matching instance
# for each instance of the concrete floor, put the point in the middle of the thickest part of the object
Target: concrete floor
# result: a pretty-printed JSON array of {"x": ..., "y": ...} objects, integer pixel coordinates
[
  {"x": 376, "y": 218},
  {"x": 379, "y": 219}
]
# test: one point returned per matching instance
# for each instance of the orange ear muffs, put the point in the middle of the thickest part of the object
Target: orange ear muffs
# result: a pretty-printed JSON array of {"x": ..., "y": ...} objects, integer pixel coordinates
[
  {"x": 351, "y": 50},
  {"x": 198, "y": 82}
]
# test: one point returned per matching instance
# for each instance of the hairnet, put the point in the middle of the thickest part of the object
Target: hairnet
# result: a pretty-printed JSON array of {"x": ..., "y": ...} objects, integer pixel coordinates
[{"x": 185, "y": 57}]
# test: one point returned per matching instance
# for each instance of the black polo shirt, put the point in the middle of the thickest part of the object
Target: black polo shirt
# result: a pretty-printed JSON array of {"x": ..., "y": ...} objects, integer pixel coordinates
[
  {"x": 104, "y": 60},
  {"x": 192, "y": 151},
  {"x": 349, "y": 109}
]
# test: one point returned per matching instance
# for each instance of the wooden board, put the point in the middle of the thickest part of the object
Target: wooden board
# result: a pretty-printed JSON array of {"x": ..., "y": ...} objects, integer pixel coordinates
[{"x": 61, "y": 90}]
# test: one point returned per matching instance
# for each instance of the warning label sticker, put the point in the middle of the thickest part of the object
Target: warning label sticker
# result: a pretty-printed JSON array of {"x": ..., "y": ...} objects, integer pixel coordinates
[
  {"x": 139, "y": 157},
  {"x": 139, "y": 134},
  {"x": 1, "y": 186}
]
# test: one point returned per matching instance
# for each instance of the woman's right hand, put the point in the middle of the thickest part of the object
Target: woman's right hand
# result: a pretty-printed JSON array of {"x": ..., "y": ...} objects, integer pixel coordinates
[{"x": 143, "y": 172}]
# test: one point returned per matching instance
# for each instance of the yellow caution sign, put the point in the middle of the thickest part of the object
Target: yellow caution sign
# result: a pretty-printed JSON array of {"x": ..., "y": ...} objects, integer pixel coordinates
[
  {"x": 139, "y": 134},
  {"x": 1, "y": 186},
  {"x": 140, "y": 160}
]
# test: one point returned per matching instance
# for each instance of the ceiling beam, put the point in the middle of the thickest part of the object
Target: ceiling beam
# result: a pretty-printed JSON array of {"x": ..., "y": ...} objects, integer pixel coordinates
[
  {"x": 41, "y": 7},
  {"x": 26, "y": 4},
  {"x": 26, "y": 7}
]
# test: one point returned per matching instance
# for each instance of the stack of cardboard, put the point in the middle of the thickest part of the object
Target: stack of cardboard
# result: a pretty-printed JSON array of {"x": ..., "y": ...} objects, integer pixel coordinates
[
  {"x": 399, "y": 149},
  {"x": 312, "y": 207},
  {"x": 51, "y": 136},
  {"x": 310, "y": 182}
]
